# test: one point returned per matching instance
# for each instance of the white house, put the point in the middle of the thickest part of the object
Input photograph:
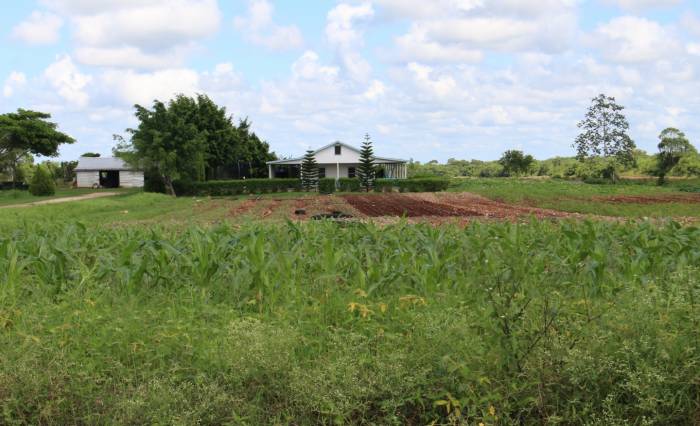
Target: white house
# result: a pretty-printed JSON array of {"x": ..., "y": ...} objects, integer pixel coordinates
[
  {"x": 107, "y": 172},
  {"x": 337, "y": 160}
]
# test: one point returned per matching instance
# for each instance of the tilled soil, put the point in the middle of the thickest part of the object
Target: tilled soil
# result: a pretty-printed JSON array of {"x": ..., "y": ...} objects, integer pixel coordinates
[
  {"x": 650, "y": 199},
  {"x": 404, "y": 205},
  {"x": 492, "y": 209}
]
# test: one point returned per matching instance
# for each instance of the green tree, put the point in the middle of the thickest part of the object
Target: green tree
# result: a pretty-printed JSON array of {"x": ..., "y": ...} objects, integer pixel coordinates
[
  {"x": 673, "y": 147},
  {"x": 28, "y": 132},
  {"x": 190, "y": 139},
  {"x": 42, "y": 183},
  {"x": 366, "y": 170},
  {"x": 604, "y": 135},
  {"x": 92, "y": 155},
  {"x": 309, "y": 171},
  {"x": 516, "y": 162}
]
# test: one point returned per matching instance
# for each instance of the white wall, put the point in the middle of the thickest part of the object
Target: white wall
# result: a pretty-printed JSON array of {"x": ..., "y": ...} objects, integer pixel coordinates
[
  {"x": 332, "y": 169},
  {"x": 87, "y": 179},
  {"x": 130, "y": 179},
  {"x": 347, "y": 155}
]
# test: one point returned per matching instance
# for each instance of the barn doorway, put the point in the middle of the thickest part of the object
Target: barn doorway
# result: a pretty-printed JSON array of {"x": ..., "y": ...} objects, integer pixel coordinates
[{"x": 109, "y": 179}]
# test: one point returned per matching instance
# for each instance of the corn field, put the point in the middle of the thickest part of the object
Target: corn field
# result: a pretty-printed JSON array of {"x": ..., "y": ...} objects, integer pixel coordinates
[{"x": 321, "y": 323}]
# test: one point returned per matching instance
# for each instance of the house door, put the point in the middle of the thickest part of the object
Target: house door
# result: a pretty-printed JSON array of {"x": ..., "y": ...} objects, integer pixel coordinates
[{"x": 109, "y": 179}]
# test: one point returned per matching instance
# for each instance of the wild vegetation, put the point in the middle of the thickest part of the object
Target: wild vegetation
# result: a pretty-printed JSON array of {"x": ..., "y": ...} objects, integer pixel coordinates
[{"x": 568, "y": 323}]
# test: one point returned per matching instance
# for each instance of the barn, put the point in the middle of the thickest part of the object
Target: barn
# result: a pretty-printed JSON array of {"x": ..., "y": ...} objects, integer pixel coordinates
[{"x": 107, "y": 172}]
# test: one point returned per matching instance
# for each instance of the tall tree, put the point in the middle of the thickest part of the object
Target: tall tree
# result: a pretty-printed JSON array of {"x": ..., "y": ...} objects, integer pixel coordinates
[
  {"x": 190, "y": 138},
  {"x": 604, "y": 135},
  {"x": 92, "y": 155},
  {"x": 515, "y": 162},
  {"x": 309, "y": 171},
  {"x": 673, "y": 146},
  {"x": 366, "y": 170},
  {"x": 28, "y": 132}
]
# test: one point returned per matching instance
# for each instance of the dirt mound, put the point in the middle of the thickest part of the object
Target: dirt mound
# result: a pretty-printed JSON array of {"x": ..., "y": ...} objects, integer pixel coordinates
[
  {"x": 651, "y": 199},
  {"x": 493, "y": 209}
]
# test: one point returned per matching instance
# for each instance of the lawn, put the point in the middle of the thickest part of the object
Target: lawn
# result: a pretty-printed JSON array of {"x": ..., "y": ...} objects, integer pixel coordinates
[
  {"x": 579, "y": 197},
  {"x": 12, "y": 197}
]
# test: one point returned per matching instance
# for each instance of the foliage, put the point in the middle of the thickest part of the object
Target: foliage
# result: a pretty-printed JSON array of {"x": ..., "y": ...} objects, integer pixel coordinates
[
  {"x": 349, "y": 185},
  {"x": 237, "y": 187},
  {"x": 496, "y": 323},
  {"x": 604, "y": 135},
  {"x": 191, "y": 139},
  {"x": 326, "y": 185},
  {"x": 42, "y": 183},
  {"x": 673, "y": 147},
  {"x": 516, "y": 163},
  {"x": 309, "y": 172},
  {"x": 92, "y": 155},
  {"x": 412, "y": 185},
  {"x": 367, "y": 168},
  {"x": 28, "y": 132}
]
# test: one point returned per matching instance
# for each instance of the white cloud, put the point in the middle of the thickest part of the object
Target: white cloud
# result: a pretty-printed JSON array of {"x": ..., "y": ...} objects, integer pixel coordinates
[
  {"x": 13, "y": 82},
  {"x": 440, "y": 86},
  {"x": 376, "y": 90},
  {"x": 415, "y": 45},
  {"x": 631, "y": 39},
  {"x": 138, "y": 34},
  {"x": 636, "y": 5},
  {"x": 39, "y": 28},
  {"x": 143, "y": 88},
  {"x": 259, "y": 28},
  {"x": 68, "y": 81},
  {"x": 346, "y": 38},
  {"x": 308, "y": 67}
]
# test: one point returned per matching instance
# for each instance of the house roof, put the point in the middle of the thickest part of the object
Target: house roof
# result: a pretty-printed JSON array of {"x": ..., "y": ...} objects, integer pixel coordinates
[
  {"x": 101, "y": 163},
  {"x": 298, "y": 159}
]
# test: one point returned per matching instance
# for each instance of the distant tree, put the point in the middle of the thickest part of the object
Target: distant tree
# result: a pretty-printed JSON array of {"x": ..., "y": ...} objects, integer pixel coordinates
[
  {"x": 28, "y": 132},
  {"x": 366, "y": 170},
  {"x": 92, "y": 155},
  {"x": 604, "y": 135},
  {"x": 673, "y": 146},
  {"x": 309, "y": 171},
  {"x": 515, "y": 162},
  {"x": 42, "y": 183},
  {"x": 191, "y": 138}
]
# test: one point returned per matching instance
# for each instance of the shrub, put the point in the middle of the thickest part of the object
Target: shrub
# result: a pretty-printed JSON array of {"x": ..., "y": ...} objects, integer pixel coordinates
[
  {"x": 412, "y": 185},
  {"x": 42, "y": 183},
  {"x": 349, "y": 185},
  {"x": 236, "y": 187},
  {"x": 326, "y": 185}
]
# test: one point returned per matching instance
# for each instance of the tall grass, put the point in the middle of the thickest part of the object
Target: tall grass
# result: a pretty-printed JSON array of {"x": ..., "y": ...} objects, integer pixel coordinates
[{"x": 569, "y": 323}]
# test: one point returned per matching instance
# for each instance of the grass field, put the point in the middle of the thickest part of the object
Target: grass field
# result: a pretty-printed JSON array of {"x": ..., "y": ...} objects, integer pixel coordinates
[
  {"x": 579, "y": 197},
  {"x": 144, "y": 309},
  {"x": 10, "y": 197}
]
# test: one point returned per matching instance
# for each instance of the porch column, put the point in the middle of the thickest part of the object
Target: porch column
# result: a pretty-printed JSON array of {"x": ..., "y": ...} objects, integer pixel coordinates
[
  {"x": 269, "y": 171},
  {"x": 337, "y": 171}
]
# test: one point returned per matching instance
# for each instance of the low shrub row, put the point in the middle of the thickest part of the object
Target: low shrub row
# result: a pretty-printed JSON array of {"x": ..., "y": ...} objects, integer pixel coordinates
[
  {"x": 325, "y": 186},
  {"x": 236, "y": 187}
]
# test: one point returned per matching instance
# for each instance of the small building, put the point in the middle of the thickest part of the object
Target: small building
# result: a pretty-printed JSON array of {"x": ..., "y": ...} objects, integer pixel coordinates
[
  {"x": 107, "y": 172},
  {"x": 337, "y": 160}
]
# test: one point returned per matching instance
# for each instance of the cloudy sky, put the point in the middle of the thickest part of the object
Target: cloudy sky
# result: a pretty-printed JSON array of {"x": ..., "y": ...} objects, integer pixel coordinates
[{"x": 428, "y": 80}]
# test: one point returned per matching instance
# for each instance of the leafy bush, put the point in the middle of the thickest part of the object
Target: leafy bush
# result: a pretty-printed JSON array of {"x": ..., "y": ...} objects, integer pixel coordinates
[
  {"x": 236, "y": 187},
  {"x": 349, "y": 185},
  {"x": 42, "y": 183},
  {"x": 412, "y": 185},
  {"x": 326, "y": 185}
]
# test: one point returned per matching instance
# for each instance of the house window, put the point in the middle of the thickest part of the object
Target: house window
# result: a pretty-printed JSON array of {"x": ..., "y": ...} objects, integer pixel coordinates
[
  {"x": 351, "y": 172},
  {"x": 338, "y": 150},
  {"x": 321, "y": 172}
]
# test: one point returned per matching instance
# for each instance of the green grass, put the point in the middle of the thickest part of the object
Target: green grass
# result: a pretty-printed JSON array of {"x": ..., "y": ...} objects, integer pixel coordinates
[
  {"x": 575, "y": 196},
  {"x": 12, "y": 197},
  {"x": 536, "y": 323}
]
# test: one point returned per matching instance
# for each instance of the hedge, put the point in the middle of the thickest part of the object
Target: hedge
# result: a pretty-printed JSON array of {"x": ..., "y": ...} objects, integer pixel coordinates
[
  {"x": 236, "y": 187},
  {"x": 325, "y": 186}
]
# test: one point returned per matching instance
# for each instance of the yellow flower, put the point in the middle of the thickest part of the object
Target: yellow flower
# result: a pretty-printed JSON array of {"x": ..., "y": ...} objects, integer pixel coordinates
[
  {"x": 360, "y": 292},
  {"x": 383, "y": 307},
  {"x": 492, "y": 410},
  {"x": 352, "y": 306}
]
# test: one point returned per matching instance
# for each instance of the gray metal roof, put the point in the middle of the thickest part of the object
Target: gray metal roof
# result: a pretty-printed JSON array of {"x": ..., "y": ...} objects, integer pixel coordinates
[
  {"x": 101, "y": 163},
  {"x": 380, "y": 159}
]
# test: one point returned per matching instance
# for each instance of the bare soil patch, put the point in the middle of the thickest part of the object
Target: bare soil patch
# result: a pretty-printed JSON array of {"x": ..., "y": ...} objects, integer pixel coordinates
[
  {"x": 651, "y": 199},
  {"x": 494, "y": 209},
  {"x": 405, "y": 205}
]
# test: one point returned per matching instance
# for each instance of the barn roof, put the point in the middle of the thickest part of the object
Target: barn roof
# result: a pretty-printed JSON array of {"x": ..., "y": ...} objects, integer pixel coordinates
[{"x": 101, "y": 163}]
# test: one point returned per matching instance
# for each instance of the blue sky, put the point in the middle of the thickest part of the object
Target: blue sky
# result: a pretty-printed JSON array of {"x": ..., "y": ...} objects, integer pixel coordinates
[{"x": 428, "y": 80}]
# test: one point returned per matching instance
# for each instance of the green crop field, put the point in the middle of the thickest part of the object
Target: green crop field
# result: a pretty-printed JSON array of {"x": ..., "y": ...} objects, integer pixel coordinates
[{"x": 144, "y": 309}]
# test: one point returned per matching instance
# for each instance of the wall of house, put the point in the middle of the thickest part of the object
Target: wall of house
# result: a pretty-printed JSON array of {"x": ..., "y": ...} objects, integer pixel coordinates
[
  {"x": 87, "y": 179},
  {"x": 129, "y": 179},
  {"x": 347, "y": 155},
  {"x": 332, "y": 169}
]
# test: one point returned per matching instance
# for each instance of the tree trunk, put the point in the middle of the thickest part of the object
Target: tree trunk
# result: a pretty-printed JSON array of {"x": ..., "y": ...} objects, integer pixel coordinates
[{"x": 169, "y": 189}]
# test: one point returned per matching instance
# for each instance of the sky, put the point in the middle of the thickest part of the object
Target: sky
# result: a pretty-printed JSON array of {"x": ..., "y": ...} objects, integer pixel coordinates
[{"x": 428, "y": 80}]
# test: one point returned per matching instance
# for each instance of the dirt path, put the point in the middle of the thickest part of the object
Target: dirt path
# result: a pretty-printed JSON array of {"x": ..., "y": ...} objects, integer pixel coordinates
[{"x": 62, "y": 200}]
